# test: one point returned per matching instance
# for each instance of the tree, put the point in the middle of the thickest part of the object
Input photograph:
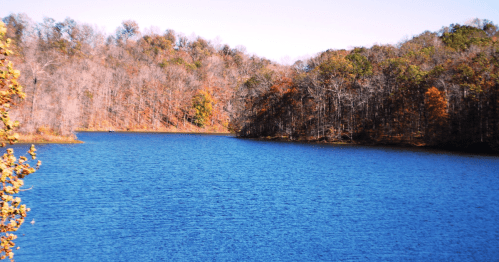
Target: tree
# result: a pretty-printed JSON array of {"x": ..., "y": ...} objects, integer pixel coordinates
[
  {"x": 12, "y": 170},
  {"x": 203, "y": 104},
  {"x": 436, "y": 113},
  {"x": 337, "y": 74},
  {"x": 462, "y": 37},
  {"x": 127, "y": 30}
]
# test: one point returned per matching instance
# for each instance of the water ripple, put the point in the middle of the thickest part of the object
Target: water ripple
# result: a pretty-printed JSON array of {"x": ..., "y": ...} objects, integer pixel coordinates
[{"x": 157, "y": 197}]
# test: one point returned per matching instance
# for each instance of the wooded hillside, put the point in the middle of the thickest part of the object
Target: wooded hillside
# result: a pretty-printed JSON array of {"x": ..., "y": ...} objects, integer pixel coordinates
[
  {"x": 76, "y": 77},
  {"x": 438, "y": 88}
]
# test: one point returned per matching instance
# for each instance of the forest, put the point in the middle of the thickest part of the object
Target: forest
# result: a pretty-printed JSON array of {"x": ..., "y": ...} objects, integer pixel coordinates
[{"x": 436, "y": 89}]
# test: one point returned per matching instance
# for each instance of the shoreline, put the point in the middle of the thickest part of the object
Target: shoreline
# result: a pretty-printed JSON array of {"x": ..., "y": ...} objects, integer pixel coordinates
[
  {"x": 38, "y": 139},
  {"x": 478, "y": 149},
  {"x": 155, "y": 132},
  {"x": 46, "y": 142},
  {"x": 481, "y": 150}
]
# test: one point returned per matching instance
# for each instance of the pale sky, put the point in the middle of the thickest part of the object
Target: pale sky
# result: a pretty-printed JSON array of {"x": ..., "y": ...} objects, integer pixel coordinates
[{"x": 280, "y": 30}]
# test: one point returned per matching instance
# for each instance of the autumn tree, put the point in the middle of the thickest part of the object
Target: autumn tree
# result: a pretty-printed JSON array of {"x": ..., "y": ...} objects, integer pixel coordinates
[
  {"x": 13, "y": 170},
  {"x": 336, "y": 74},
  {"x": 202, "y": 103},
  {"x": 436, "y": 113}
]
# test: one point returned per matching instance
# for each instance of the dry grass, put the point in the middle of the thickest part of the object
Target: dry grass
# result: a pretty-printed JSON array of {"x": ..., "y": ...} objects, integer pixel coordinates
[
  {"x": 46, "y": 139},
  {"x": 45, "y": 135}
]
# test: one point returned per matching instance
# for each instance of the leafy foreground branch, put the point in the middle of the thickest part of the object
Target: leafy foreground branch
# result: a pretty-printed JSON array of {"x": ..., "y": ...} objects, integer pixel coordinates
[{"x": 12, "y": 170}]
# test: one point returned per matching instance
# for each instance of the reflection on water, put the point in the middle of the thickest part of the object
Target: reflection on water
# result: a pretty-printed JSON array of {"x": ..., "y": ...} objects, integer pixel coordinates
[{"x": 157, "y": 197}]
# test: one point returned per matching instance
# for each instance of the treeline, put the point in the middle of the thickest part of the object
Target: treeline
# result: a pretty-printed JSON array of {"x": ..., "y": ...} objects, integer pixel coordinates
[
  {"x": 438, "y": 88},
  {"x": 77, "y": 77}
]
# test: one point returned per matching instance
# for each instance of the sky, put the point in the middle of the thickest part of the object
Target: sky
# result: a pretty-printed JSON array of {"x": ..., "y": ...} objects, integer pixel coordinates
[{"x": 280, "y": 30}]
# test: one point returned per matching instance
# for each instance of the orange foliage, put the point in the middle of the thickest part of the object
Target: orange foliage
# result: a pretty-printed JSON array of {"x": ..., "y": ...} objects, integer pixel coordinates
[{"x": 436, "y": 110}]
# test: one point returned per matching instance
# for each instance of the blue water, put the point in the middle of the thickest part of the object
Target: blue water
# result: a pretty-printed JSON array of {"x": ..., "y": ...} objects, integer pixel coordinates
[{"x": 159, "y": 197}]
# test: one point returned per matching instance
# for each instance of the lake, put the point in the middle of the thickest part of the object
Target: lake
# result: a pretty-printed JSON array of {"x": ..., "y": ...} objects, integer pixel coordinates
[{"x": 174, "y": 197}]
